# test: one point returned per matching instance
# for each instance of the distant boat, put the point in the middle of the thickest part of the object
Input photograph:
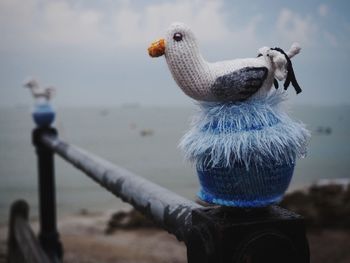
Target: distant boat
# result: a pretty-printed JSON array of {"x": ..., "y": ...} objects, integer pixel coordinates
[
  {"x": 146, "y": 132},
  {"x": 132, "y": 126},
  {"x": 323, "y": 130},
  {"x": 104, "y": 112}
]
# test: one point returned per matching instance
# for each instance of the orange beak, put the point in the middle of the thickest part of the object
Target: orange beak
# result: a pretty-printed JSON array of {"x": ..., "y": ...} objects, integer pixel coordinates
[{"x": 157, "y": 48}]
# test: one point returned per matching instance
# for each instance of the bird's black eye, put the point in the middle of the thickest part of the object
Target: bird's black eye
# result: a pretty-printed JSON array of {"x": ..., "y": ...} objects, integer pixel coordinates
[{"x": 177, "y": 37}]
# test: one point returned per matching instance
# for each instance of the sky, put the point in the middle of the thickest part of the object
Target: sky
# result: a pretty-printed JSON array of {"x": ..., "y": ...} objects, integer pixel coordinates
[{"x": 95, "y": 52}]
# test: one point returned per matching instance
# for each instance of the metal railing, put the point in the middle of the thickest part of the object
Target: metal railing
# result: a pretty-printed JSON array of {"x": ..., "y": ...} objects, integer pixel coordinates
[{"x": 211, "y": 234}]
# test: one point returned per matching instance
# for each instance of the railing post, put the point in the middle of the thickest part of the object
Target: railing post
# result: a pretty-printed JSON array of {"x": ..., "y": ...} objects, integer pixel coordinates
[
  {"x": 48, "y": 235},
  {"x": 229, "y": 235}
]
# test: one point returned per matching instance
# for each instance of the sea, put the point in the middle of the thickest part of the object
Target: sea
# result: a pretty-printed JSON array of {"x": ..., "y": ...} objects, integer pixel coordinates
[{"x": 144, "y": 140}]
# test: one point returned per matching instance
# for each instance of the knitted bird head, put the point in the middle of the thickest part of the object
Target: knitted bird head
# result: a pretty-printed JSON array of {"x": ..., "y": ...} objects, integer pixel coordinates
[{"x": 230, "y": 80}]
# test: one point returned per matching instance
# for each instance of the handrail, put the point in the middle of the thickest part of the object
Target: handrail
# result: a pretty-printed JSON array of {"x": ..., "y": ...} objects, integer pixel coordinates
[
  {"x": 166, "y": 208},
  {"x": 211, "y": 234}
]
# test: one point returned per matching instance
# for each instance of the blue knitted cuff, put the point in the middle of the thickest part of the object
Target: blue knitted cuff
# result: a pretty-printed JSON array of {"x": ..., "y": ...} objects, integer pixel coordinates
[
  {"x": 43, "y": 115},
  {"x": 236, "y": 186}
]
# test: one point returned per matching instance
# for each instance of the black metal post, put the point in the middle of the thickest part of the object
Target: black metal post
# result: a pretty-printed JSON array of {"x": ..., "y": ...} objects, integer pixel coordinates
[
  {"x": 232, "y": 235},
  {"x": 48, "y": 235}
]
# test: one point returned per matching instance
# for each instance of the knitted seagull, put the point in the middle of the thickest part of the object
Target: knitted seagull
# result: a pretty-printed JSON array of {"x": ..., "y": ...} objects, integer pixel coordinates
[
  {"x": 231, "y": 80},
  {"x": 39, "y": 93}
]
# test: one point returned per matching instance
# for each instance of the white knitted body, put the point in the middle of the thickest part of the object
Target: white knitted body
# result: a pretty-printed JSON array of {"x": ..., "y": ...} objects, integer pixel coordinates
[{"x": 195, "y": 76}]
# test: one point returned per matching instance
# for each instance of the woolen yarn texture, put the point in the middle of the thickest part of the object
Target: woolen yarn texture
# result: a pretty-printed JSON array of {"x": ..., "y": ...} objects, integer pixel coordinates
[{"x": 244, "y": 152}]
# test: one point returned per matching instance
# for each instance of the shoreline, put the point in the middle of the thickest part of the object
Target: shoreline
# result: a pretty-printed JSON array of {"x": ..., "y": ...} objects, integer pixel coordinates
[
  {"x": 85, "y": 241},
  {"x": 122, "y": 236}
]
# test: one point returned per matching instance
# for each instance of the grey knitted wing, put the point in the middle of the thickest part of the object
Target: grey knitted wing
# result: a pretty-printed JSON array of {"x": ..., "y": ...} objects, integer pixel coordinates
[{"x": 240, "y": 84}]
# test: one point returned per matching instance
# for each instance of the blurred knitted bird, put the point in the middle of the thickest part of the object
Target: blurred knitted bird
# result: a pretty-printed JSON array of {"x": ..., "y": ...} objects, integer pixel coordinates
[
  {"x": 43, "y": 113},
  {"x": 231, "y": 80},
  {"x": 39, "y": 93}
]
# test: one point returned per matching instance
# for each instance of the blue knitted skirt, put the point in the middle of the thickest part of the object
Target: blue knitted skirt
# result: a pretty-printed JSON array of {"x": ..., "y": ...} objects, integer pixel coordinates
[{"x": 244, "y": 152}]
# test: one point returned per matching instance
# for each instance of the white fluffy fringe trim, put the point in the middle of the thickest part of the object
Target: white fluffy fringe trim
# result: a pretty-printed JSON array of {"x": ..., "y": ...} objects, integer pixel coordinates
[{"x": 252, "y": 132}]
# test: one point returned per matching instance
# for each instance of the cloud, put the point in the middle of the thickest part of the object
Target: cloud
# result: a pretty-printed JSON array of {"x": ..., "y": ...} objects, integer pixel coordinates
[
  {"x": 62, "y": 24},
  {"x": 44, "y": 23},
  {"x": 332, "y": 40},
  {"x": 37, "y": 24},
  {"x": 323, "y": 10},
  {"x": 202, "y": 16},
  {"x": 293, "y": 27},
  {"x": 15, "y": 19}
]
